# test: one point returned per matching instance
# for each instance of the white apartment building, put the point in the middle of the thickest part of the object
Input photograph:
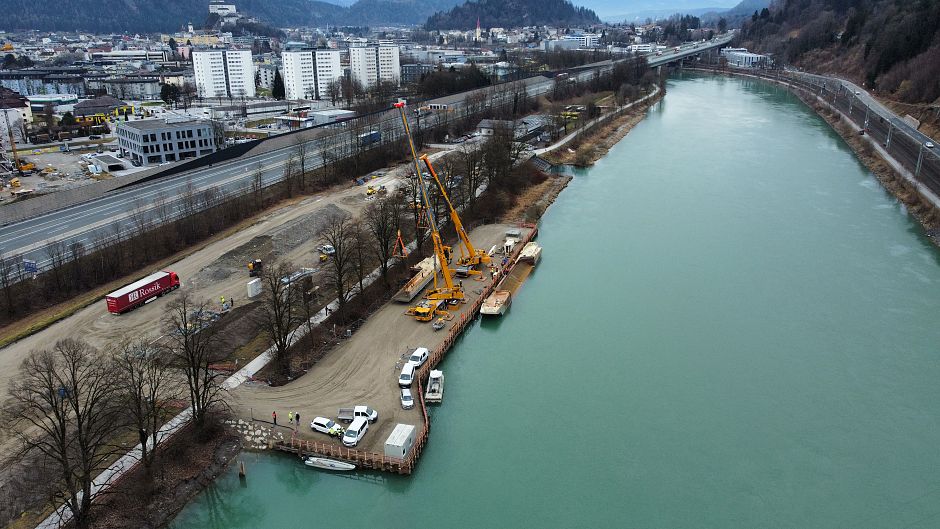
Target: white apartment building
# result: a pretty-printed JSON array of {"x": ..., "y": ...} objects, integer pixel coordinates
[
  {"x": 371, "y": 64},
  {"x": 308, "y": 74},
  {"x": 224, "y": 73}
]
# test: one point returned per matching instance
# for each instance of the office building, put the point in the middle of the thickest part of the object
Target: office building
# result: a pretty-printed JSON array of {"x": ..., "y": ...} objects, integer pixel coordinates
[
  {"x": 154, "y": 141},
  {"x": 224, "y": 73}
]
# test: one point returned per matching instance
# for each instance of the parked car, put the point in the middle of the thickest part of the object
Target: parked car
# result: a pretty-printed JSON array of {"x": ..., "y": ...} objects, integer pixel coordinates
[
  {"x": 327, "y": 426},
  {"x": 407, "y": 401},
  {"x": 356, "y": 431},
  {"x": 407, "y": 376},
  {"x": 419, "y": 356},
  {"x": 354, "y": 412},
  {"x": 929, "y": 145},
  {"x": 94, "y": 137},
  {"x": 327, "y": 249}
]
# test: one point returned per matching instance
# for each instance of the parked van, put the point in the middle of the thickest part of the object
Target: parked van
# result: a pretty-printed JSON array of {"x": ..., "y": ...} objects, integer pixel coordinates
[
  {"x": 407, "y": 376},
  {"x": 356, "y": 431},
  {"x": 419, "y": 356}
]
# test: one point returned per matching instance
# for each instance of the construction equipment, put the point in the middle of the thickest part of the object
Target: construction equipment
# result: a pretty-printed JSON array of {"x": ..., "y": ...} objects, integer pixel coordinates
[
  {"x": 16, "y": 159},
  {"x": 255, "y": 268},
  {"x": 470, "y": 257},
  {"x": 450, "y": 292},
  {"x": 15, "y": 182}
]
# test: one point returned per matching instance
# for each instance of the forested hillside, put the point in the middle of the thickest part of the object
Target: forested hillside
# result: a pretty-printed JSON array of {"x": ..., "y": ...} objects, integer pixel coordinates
[
  {"x": 144, "y": 16},
  {"x": 892, "y": 46},
  {"x": 513, "y": 13}
]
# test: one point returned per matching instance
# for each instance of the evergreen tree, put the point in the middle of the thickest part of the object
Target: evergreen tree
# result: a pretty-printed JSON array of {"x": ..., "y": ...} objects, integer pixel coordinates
[{"x": 277, "y": 88}]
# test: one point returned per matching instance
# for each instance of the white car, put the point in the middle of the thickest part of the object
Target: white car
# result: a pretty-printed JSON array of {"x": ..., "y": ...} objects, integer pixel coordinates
[
  {"x": 929, "y": 145},
  {"x": 327, "y": 249},
  {"x": 407, "y": 376},
  {"x": 419, "y": 356},
  {"x": 356, "y": 431},
  {"x": 407, "y": 401},
  {"x": 327, "y": 426}
]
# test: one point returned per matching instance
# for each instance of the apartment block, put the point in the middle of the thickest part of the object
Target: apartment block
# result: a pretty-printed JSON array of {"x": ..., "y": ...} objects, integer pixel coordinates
[
  {"x": 155, "y": 141},
  {"x": 224, "y": 73},
  {"x": 308, "y": 74},
  {"x": 371, "y": 64}
]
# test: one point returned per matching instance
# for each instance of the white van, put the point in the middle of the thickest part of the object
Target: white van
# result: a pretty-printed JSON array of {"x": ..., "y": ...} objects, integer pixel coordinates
[
  {"x": 407, "y": 375},
  {"x": 356, "y": 431}
]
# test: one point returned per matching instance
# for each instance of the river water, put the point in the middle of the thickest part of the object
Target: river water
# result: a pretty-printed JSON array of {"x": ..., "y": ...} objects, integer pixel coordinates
[{"x": 733, "y": 326}]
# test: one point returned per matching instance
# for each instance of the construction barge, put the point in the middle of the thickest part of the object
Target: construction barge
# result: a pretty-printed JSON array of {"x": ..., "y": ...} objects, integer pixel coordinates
[{"x": 377, "y": 461}]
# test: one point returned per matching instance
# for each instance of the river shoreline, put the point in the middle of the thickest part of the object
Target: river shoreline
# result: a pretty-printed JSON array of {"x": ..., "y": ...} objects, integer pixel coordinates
[{"x": 596, "y": 142}]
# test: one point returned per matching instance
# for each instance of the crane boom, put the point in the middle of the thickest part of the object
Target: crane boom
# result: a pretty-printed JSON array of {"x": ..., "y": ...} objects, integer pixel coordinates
[
  {"x": 16, "y": 158},
  {"x": 449, "y": 292},
  {"x": 472, "y": 257}
]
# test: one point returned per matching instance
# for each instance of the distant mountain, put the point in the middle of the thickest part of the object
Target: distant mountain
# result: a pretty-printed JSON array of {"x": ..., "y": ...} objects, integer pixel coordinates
[
  {"x": 659, "y": 14},
  {"x": 512, "y": 13},
  {"x": 148, "y": 16},
  {"x": 618, "y": 9}
]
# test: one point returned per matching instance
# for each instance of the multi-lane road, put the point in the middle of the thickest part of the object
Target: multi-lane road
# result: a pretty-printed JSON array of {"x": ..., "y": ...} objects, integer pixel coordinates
[{"x": 118, "y": 213}]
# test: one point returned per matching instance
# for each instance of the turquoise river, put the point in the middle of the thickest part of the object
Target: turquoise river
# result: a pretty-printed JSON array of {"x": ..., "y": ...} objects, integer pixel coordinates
[{"x": 732, "y": 326}]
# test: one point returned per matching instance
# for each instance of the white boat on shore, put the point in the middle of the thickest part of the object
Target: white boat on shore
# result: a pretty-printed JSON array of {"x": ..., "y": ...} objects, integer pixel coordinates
[
  {"x": 435, "y": 391},
  {"x": 531, "y": 253},
  {"x": 328, "y": 464},
  {"x": 496, "y": 303}
]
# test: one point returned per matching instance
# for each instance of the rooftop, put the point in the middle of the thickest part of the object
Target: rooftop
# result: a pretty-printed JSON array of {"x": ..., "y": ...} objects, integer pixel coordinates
[{"x": 157, "y": 124}]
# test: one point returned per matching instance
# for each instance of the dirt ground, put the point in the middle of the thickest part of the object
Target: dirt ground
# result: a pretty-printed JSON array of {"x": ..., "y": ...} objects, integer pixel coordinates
[
  {"x": 363, "y": 370},
  {"x": 216, "y": 270}
]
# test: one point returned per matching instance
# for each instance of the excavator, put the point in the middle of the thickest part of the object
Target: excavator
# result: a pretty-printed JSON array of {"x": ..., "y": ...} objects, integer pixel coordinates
[
  {"x": 470, "y": 257},
  {"x": 450, "y": 293}
]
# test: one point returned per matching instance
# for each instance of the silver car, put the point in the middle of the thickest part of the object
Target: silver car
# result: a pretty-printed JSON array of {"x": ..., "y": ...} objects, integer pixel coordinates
[{"x": 407, "y": 401}]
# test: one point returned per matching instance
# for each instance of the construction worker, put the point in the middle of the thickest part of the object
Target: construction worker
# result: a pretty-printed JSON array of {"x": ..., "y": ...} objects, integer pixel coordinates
[
  {"x": 222, "y": 299},
  {"x": 290, "y": 417}
]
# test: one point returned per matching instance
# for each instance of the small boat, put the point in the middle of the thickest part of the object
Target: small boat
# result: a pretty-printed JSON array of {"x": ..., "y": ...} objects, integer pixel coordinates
[
  {"x": 328, "y": 464},
  {"x": 496, "y": 303},
  {"x": 531, "y": 253},
  {"x": 435, "y": 392}
]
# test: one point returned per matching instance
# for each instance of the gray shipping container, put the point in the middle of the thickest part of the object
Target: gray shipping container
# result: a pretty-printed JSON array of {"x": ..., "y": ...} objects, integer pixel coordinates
[{"x": 400, "y": 441}]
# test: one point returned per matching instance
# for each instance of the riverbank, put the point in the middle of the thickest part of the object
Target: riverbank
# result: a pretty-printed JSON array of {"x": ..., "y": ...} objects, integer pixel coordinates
[
  {"x": 593, "y": 144},
  {"x": 875, "y": 159},
  {"x": 188, "y": 465}
]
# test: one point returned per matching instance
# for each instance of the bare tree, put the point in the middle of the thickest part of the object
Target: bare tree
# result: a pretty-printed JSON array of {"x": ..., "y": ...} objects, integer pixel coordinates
[
  {"x": 192, "y": 338},
  {"x": 359, "y": 251},
  {"x": 301, "y": 153},
  {"x": 8, "y": 275},
  {"x": 147, "y": 386},
  {"x": 62, "y": 405},
  {"x": 338, "y": 234},
  {"x": 289, "y": 169},
  {"x": 257, "y": 186},
  {"x": 383, "y": 220},
  {"x": 280, "y": 310},
  {"x": 56, "y": 252}
]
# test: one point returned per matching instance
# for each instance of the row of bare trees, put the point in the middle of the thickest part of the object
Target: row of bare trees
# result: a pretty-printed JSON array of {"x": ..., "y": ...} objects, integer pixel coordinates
[{"x": 74, "y": 407}]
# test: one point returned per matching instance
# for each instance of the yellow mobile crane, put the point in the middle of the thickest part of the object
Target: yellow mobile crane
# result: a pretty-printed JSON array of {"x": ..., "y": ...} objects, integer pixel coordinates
[
  {"x": 470, "y": 257},
  {"x": 450, "y": 292}
]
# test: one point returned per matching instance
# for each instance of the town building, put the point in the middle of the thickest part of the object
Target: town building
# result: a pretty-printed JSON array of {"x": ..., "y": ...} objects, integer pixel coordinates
[
  {"x": 155, "y": 141},
  {"x": 412, "y": 73},
  {"x": 370, "y": 65},
  {"x": 266, "y": 75},
  {"x": 32, "y": 81},
  {"x": 16, "y": 113},
  {"x": 308, "y": 74},
  {"x": 100, "y": 109},
  {"x": 224, "y": 73},
  {"x": 742, "y": 58}
]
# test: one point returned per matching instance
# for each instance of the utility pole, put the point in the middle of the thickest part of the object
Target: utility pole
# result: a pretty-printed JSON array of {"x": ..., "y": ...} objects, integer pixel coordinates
[{"x": 890, "y": 128}]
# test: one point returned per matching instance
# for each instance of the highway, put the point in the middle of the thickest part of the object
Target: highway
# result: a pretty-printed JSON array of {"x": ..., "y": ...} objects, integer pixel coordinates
[{"x": 123, "y": 212}]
